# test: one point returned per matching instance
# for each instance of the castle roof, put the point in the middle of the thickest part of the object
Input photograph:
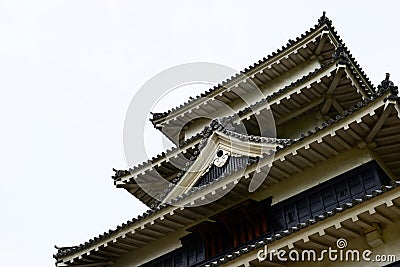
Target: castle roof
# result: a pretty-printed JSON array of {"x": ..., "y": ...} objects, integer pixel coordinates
[{"x": 359, "y": 116}]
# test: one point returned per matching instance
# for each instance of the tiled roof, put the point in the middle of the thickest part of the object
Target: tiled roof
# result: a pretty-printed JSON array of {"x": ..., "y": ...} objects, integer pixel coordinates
[
  {"x": 200, "y": 135},
  {"x": 121, "y": 173},
  {"x": 299, "y": 82},
  {"x": 336, "y": 119},
  {"x": 64, "y": 251},
  {"x": 214, "y": 125},
  {"x": 323, "y": 20},
  {"x": 341, "y": 52},
  {"x": 385, "y": 86}
]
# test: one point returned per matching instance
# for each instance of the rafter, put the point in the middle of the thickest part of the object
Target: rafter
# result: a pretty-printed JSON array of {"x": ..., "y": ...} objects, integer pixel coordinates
[
  {"x": 382, "y": 164},
  {"x": 324, "y": 38},
  {"x": 385, "y": 114},
  {"x": 300, "y": 111},
  {"x": 329, "y": 94},
  {"x": 337, "y": 106}
]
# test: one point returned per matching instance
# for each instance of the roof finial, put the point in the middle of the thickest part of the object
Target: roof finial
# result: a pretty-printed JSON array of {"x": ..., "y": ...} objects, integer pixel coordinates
[
  {"x": 323, "y": 18},
  {"x": 386, "y": 85},
  {"x": 341, "y": 54}
]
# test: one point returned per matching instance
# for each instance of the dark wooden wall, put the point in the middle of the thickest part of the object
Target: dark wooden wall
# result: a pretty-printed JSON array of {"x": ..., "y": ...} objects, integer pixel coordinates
[{"x": 251, "y": 220}]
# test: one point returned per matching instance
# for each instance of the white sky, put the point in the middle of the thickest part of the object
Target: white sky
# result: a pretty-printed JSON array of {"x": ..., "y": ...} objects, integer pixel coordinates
[{"x": 69, "y": 69}]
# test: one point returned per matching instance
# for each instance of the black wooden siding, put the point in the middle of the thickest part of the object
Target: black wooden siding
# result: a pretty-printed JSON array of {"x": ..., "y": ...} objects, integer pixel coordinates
[
  {"x": 233, "y": 164},
  {"x": 328, "y": 195},
  {"x": 296, "y": 209},
  {"x": 191, "y": 253}
]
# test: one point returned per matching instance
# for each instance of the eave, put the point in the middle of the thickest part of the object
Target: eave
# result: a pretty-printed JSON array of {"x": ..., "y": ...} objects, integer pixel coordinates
[
  {"x": 334, "y": 85},
  {"x": 338, "y": 136},
  {"x": 234, "y": 143},
  {"x": 310, "y": 92},
  {"x": 152, "y": 174}
]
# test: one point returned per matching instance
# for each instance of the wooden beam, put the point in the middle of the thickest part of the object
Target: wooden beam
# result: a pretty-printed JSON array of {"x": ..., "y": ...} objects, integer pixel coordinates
[
  {"x": 318, "y": 243},
  {"x": 114, "y": 248},
  {"x": 379, "y": 216},
  {"x": 322, "y": 41},
  {"x": 337, "y": 106},
  {"x": 280, "y": 171},
  {"x": 107, "y": 263},
  {"x": 353, "y": 133},
  {"x": 331, "y": 89},
  {"x": 290, "y": 61},
  {"x": 273, "y": 70},
  {"x": 382, "y": 164},
  {"x": 101, "y": 251},
  {"x": 317, "y": 154},
  {"x": 306, "y": 161},
  {"x": 94, "y": 255},
  {"x": 385, "y": 114},
  {"x": 340, "y": 140},
  {"x": 336, "y": 79},
  {"x": 300, "y": 111},
  {"x": 350, "y": 231},
  {"x": 360, "y": 222},
  {"x": 327, "y": 105},
  {"x": 394, "y": 207},
  {"x": 329, "y": 148},
  {"x": 293, "y": 166},
  {"x": 364, "y": 126},
  {"x": 226, "y": 226},
  {"x": 132, "y": 242}
]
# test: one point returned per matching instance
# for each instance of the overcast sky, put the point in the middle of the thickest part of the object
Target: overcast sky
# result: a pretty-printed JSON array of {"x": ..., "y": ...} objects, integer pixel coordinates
[{"x": 69, "y": 69}]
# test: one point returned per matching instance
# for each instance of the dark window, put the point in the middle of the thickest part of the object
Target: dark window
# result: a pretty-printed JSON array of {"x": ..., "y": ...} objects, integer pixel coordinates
[
  {"x": 356, "y": 186},
  {"x": 329, "y": 199},
  {"x": 303, "y": 210},
  {"x": 291, "y": 216},
  {"x": 316, "y": 204},
  {"x": 168, "y": 262},
  {"x": 178, "y": 260},
  {"x": 342, "y": 192},
  {"x": 370, "y": 181},
  {"x": 278, "y": 220}
]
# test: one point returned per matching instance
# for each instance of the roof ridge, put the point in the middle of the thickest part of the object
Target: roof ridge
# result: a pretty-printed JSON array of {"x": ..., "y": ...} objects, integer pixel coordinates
[{"x": 351, "y": 57}]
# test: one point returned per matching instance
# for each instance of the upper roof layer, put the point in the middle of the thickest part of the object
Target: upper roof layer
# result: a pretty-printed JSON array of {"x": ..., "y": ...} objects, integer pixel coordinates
[{"x": 309, "y": 45}]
